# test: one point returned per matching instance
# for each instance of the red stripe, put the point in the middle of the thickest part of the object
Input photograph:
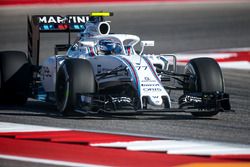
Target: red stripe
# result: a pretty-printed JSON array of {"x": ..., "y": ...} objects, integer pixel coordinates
[
  {"x": 236, "y": 57},
  {"x": 72, "y": 136},
  {"x": 91, "y": 155},
  {"x": 239, "y": 56},
  {"x": 233, "y": 157},
  {"x": 152, "y": 69},
  {"x": 97, "y": 139},
  {"x": 33, "y": 2},
  {"x": 133, "y": 69},
  {"x": 75, "y": 148},
  {"x": 92, "y": 52}
]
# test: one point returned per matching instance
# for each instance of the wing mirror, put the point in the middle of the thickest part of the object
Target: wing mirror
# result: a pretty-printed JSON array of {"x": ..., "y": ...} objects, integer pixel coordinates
[{"x": 146, "y": 43}]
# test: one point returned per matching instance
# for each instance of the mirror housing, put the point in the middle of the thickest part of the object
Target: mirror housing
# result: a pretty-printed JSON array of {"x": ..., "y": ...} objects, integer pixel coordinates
[{"x": 146, "y": 43}]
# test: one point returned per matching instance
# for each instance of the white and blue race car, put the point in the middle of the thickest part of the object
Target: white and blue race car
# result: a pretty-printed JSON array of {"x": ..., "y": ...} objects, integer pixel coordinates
[{"x": 102, "y": 71}]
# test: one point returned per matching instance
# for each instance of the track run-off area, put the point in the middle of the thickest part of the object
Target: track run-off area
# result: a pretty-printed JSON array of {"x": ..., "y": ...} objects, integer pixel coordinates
[{"x": 214, "y": 29}]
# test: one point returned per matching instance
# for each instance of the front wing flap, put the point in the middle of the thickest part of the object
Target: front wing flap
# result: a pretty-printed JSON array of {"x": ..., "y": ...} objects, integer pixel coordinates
[{"x": 205, "y": 101}]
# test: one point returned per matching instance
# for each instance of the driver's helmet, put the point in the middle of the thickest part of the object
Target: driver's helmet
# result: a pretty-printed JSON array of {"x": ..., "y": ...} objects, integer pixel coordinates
[{"x": 108, "y": 47}]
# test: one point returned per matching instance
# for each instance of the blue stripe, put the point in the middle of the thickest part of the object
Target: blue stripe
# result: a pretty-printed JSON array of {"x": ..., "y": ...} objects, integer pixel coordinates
[
  {"x": 151, "y": 68},
  {"x": 134, "y": 74}
]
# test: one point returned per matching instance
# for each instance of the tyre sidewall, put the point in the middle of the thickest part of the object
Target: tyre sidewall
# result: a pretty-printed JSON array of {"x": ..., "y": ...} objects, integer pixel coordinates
[
  {"x": 206, "y": 77},
  {"x": 15, "y": 77},
  {"x": 79, "y": 78}
]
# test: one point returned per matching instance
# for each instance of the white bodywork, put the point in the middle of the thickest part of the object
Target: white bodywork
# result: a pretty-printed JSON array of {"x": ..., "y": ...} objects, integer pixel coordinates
[{"x": 141, "y": 67}]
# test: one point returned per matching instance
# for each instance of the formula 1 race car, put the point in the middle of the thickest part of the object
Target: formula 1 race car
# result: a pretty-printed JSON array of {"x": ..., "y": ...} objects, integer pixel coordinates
[{"x": 102, "y": 71}]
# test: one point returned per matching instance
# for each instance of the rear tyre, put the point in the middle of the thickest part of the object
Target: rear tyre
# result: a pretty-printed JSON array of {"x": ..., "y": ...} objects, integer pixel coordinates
[
  {"x": 207, "y": 77},
  {"x": 15, "y": 77},
  {"x": 74, "y": 76}
]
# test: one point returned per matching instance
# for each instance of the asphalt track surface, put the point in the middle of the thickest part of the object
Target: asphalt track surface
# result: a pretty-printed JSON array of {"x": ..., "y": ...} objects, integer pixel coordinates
[{"x": 175, "y": 28}]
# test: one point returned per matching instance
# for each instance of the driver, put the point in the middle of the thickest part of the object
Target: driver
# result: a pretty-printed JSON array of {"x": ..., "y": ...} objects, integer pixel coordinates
[{"x": 108, "y": 47}]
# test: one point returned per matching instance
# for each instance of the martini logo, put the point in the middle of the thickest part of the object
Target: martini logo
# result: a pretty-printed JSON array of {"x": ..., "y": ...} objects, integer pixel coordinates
[{"x": 60, "y": 19}]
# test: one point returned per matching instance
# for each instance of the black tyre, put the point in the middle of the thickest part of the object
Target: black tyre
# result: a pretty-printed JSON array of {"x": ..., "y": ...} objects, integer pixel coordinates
[
  {"x": 74, "y": 76},
  {"x": 207, "y": 77},
  {"x": 15, "y": 77}
]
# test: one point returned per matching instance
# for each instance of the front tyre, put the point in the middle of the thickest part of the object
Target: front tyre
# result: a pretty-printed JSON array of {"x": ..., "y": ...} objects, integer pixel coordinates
[
  {"x": 206, "y": 76},
  {"x": 74, "y": 76}
]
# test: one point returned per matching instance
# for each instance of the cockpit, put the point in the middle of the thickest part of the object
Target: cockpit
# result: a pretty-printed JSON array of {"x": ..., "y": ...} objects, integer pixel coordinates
[
  {"x": 112, "y": 44},
  {"x": 109, "y": 47}
]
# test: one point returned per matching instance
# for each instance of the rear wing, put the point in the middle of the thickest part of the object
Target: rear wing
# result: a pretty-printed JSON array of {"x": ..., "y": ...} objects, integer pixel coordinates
[
  {"x": 55, "y": 23},
  {"x": 51, "y": 24}
]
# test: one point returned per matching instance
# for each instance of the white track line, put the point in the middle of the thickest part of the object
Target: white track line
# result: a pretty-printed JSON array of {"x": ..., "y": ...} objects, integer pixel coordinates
[
  {"x": 241, "y": 65},
  {"x": 46, "y": 161},
  {"x": 219, "y": 50},
  {"x": 215, "y": 54},
  {"x": 181, "y": 147},
  {"x": 189, "y": 56},
  {"x": 14, "y": 127},
  {"x": 187, "y": 147},
  {"x": 211, "y": 150}
]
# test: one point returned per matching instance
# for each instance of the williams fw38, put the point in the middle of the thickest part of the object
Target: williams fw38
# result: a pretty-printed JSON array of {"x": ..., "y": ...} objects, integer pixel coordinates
[{"x": 102, "y": 71}]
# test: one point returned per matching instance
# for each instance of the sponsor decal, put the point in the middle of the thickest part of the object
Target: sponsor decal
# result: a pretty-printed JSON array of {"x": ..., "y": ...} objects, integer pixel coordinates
[
  {"x": 147, "y": 79},
  {"x": 121, "y": 99},
  {"x": 149, "y": 84},
  {"x": 60, "y": 19},
  {"x": 193, "y": 99},
  {"x": 141, "y": 67},
  {"x": 152, "y": 89}
]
